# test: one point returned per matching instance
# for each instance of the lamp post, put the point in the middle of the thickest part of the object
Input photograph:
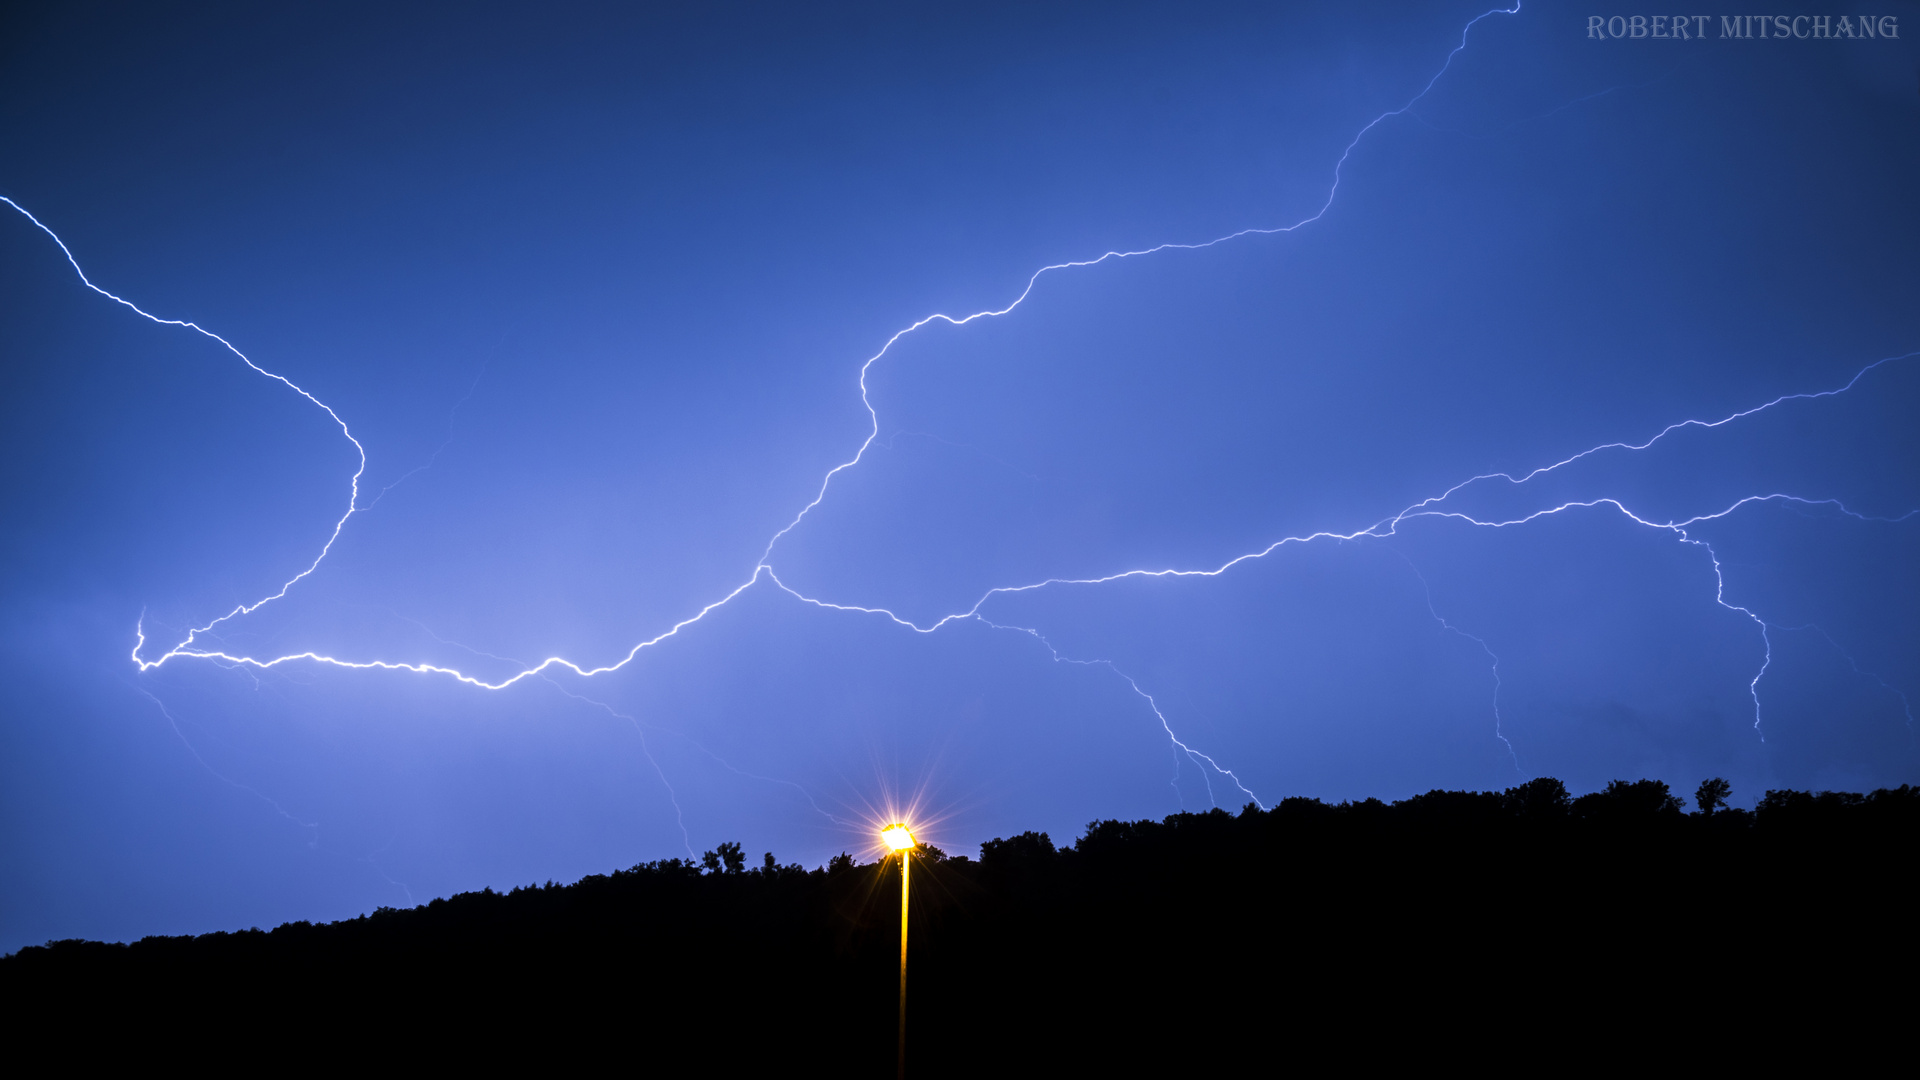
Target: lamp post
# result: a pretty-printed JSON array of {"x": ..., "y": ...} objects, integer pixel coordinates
[{"x": 900, "y": 839}]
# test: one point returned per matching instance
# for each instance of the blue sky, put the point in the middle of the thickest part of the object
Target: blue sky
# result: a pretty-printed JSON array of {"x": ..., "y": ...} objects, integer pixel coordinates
[{"x": 594, "y": 288}]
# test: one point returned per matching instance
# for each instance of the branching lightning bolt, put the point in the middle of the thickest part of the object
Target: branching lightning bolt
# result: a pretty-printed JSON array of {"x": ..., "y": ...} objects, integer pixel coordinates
[
  {"x": 1204, "y": 761},
  {"x": 679, "y": 815},
  {"x": 1433, "y": 506},
  {"x": 1906, "y": 704},
  {"x": 353, "y": 485},
  {"x": 1426, "y": 590},
  {"x": 390, "y": 879},
  {"x": 312, "y": 826}
]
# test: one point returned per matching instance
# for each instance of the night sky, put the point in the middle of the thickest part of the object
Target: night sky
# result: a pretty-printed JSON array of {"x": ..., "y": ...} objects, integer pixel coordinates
[{"x": 593, "y": 286}]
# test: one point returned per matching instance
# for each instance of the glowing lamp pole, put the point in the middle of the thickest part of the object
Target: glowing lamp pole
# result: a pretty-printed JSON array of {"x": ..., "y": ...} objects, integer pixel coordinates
[{"x": 899, "y": 838}]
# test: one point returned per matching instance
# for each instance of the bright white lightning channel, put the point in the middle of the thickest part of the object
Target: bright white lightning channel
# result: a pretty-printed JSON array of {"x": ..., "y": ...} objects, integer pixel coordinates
[
  {"x": 190, "y": 647},
  {"x": 185, "y": 648}
]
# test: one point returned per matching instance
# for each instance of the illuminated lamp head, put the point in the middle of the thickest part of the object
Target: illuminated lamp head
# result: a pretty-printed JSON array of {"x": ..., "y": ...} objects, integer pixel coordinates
[{"x": 897, "y": 837}]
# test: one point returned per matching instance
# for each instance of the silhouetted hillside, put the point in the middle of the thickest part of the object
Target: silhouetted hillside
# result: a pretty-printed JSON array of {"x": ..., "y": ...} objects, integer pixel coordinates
[{"x": 1449, "y": 926}]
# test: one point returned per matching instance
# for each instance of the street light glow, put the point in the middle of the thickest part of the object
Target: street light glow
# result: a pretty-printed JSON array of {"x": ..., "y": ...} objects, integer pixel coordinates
[{"x": 900, "y": 839}]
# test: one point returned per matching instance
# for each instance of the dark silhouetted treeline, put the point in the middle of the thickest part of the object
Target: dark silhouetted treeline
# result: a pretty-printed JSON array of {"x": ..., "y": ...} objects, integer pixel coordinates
[{"x": 1516, "y": 930}]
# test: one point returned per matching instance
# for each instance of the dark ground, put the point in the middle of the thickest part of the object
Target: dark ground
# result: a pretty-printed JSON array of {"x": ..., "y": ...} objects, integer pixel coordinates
[{"x": 1519, "y": 931}]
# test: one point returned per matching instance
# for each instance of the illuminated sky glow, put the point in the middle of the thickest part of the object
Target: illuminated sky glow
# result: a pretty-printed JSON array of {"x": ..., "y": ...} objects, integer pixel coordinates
[{"x": 1558, "y": 428}]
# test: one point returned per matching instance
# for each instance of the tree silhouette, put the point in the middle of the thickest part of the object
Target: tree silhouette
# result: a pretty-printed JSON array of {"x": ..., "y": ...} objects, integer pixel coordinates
[
  {"x": 1345, "y": 897},
  {"x": 1541, "y": 797},
  {"x": 728, "y": 858},
  {"x": 1712, "y": 794},
  {"x": 1629, "y": 800},
  {"x": 1024, "y": 849}
]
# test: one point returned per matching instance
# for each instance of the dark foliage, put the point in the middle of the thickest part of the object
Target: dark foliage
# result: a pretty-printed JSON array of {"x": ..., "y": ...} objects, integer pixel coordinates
[
  {"x": 1712, "y": 794},
  {"x": 1449, "y": 926},
  {"x": 1025, "y": 850}
]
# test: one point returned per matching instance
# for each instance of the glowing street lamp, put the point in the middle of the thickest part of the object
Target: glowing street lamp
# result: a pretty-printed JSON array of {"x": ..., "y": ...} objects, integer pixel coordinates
[{"x": 899, "y": 838}]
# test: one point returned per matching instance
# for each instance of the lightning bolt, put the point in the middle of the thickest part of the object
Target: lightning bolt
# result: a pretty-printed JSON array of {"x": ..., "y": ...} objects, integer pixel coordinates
[
  {"x": 185, "y": 648},
  {"x": 679, "y": 815},
  {"x": 1906, "y": 704},
  {"x": 382, "y": 850},
  {"x": 1427, "y": 590},
  {"x": 1434, "y": 506},
  {"x": 173, "y": 722},
  {"x": 1204, "y": 761}
]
